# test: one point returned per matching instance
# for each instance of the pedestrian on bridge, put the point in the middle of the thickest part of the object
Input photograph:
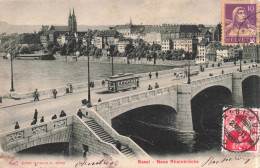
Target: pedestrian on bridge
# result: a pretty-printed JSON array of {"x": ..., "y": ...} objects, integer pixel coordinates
[
  {"x": 54, "y": 93},
  {"x": 156, "y": 74},
  {"x": 71, "y": 88},
  {"x": 150, "y": 75},
  {"x": 42, "y": 119},
  {"x": 33, "y": 122},
  {"x": 103, "y": 83},
  {"x": 35, "y": 116},
  {"x": 62, "y": 113},
  {"x": 156, "y": 86},
  {"x": 79, "y": 113},
  {"x": 54, "y": 117},
  {"x": 118, "y": 145},
  {"x": 16, "y": 126},
  {"x": 36, "y": 95},
  {"x": 150, "y": 87}
]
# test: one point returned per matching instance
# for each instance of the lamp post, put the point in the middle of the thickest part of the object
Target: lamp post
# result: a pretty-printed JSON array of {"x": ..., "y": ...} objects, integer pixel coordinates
[
  {"x": 240, "y": 58},
  {"x": 12, "y": 76},
  {"x": 111, "y": 49},
  {"x": 89, "y": 96},
  {"x": 188, "y": 54}
]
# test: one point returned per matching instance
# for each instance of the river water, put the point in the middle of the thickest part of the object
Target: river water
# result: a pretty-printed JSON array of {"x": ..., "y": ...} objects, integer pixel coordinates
[{"x": 31, "y": 74}]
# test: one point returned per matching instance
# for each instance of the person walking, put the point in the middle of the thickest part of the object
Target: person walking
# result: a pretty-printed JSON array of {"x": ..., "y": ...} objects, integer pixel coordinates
[
  {"x": 42, "y": 119},
  {"x": 79, "y": 113},
  {"x": 150, "y": 75},
  {"x": 36, "y": 95},
  {"x": 35, "y": 116},
  {"x": 103, "y": 83},
  {"x": 71, "y": 88},
  {"x": 156, "y": 74},
  {"x": 54, "y": 93},
  {"x": 16, "y": 126},
  {"x": 118, "y": 145}
]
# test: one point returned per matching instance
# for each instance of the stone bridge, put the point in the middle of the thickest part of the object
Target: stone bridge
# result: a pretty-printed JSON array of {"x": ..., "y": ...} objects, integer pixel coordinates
[
  {"x": 75, "y": 135},
  {"x": 177, "y": 96}
]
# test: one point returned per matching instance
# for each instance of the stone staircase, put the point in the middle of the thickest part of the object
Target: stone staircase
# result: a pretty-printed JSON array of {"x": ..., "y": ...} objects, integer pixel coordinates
[{"x": 107, "y": 138}]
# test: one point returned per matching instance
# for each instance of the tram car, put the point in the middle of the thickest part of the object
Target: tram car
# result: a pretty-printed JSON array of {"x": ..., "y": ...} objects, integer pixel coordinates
[{"x": 123, "y": 82}]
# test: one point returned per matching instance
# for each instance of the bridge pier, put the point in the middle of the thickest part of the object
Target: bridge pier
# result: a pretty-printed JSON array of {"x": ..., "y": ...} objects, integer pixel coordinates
[
  {"x": 184, "y": 116},
  {"x": 237, "y": 94}
]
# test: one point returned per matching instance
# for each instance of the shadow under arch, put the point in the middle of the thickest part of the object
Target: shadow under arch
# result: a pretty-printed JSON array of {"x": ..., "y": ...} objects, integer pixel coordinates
[
  {"x": 148, "y": 126},
  {"x": 49, "y": 149},
  {"x": 251, "y": 91},
  {"x": 207, "y": 106}
]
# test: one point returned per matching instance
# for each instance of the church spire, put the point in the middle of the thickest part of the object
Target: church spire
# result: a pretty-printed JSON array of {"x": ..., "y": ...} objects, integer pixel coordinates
[{"x": 73, "y": 14}]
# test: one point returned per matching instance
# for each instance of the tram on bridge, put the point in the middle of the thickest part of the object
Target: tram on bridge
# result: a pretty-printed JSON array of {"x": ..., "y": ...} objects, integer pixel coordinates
[{"x": 122, "y": 82}]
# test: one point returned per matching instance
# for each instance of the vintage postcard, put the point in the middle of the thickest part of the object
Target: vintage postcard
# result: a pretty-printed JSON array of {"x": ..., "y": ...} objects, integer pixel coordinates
[{"x": 129, "y": 83}]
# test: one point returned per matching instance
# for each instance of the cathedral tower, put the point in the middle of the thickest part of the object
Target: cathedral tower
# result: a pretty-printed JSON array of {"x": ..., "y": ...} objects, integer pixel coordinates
[{"x": 72, "y": 22}]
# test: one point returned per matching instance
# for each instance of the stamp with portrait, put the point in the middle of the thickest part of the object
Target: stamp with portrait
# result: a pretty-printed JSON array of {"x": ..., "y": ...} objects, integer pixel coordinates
[
  {"x": 239, "y": 22},
  {"x": 240, "y": 130}
]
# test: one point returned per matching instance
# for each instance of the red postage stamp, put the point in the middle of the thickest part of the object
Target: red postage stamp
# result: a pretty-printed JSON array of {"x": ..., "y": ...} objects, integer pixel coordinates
[{"x": 240, "y": 130}]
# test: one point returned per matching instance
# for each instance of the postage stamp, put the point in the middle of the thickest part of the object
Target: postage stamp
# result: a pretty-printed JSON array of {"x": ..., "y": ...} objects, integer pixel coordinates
[
  {"x": 240, "y": 22},
  {"x": 240, "y": 130}
]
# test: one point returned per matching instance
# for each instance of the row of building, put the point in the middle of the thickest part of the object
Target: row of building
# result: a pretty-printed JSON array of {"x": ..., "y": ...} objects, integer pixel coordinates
[{"x": 204, "y": 41}]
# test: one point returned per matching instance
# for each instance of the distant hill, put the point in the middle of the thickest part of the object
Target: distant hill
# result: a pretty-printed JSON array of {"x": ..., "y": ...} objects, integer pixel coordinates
[{"x": 8, "y": 28}]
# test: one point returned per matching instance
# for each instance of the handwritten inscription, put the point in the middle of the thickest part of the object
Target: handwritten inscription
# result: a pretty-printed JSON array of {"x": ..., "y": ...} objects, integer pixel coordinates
[{"x": 212, "y": 161}]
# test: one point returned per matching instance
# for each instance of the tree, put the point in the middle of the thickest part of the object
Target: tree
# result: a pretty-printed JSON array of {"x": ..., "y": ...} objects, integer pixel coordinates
[
  {"x": 155, "y": 47},
  {"x": 63, "y": 49},
  {"x": 128, "y": 48},
  {"x": 24, "y": 50}
]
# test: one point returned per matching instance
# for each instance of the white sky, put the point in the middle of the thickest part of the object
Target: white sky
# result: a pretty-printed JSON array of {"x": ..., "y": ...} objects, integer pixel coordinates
[{"x": 110, "y": 12}]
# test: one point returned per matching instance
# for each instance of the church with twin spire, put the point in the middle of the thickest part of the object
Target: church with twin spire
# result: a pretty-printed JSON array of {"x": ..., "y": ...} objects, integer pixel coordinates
[
  {"x": 51, "y": 33},
  {"x": 72, "y": 22}
]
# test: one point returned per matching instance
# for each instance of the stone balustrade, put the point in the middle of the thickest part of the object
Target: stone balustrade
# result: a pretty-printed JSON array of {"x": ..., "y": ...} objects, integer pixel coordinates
[
  {"x": 132, "y": 98},
  {"x": 210, "y": 79},
  {"x": 33, "y": 130}
]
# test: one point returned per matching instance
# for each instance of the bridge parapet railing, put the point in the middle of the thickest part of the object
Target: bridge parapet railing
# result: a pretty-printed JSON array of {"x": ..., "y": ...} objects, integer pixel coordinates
[
  {"x": 35, "y": 130},
  {"x": 133, "y": 97},
  {"x": 250, "y": 70},
  {"x": 211, "y": 79}
]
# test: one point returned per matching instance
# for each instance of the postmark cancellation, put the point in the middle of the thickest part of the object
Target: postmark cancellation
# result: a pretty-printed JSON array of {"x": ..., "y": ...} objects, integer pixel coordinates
[{"x": 240, "y": 131}]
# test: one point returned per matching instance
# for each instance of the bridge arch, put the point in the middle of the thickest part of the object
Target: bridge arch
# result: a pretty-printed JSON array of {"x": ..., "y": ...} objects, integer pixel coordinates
[
  {"x": 147, "y": 125},
  {"x": 206, "y": 107},
  {"x": 17, "y": 144},
  {"x": 251, "y": 90},
  {"x": 60, "y": 148},
  {"x": 155, "y": 114},
  {"x": 224, "y": 80}
]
